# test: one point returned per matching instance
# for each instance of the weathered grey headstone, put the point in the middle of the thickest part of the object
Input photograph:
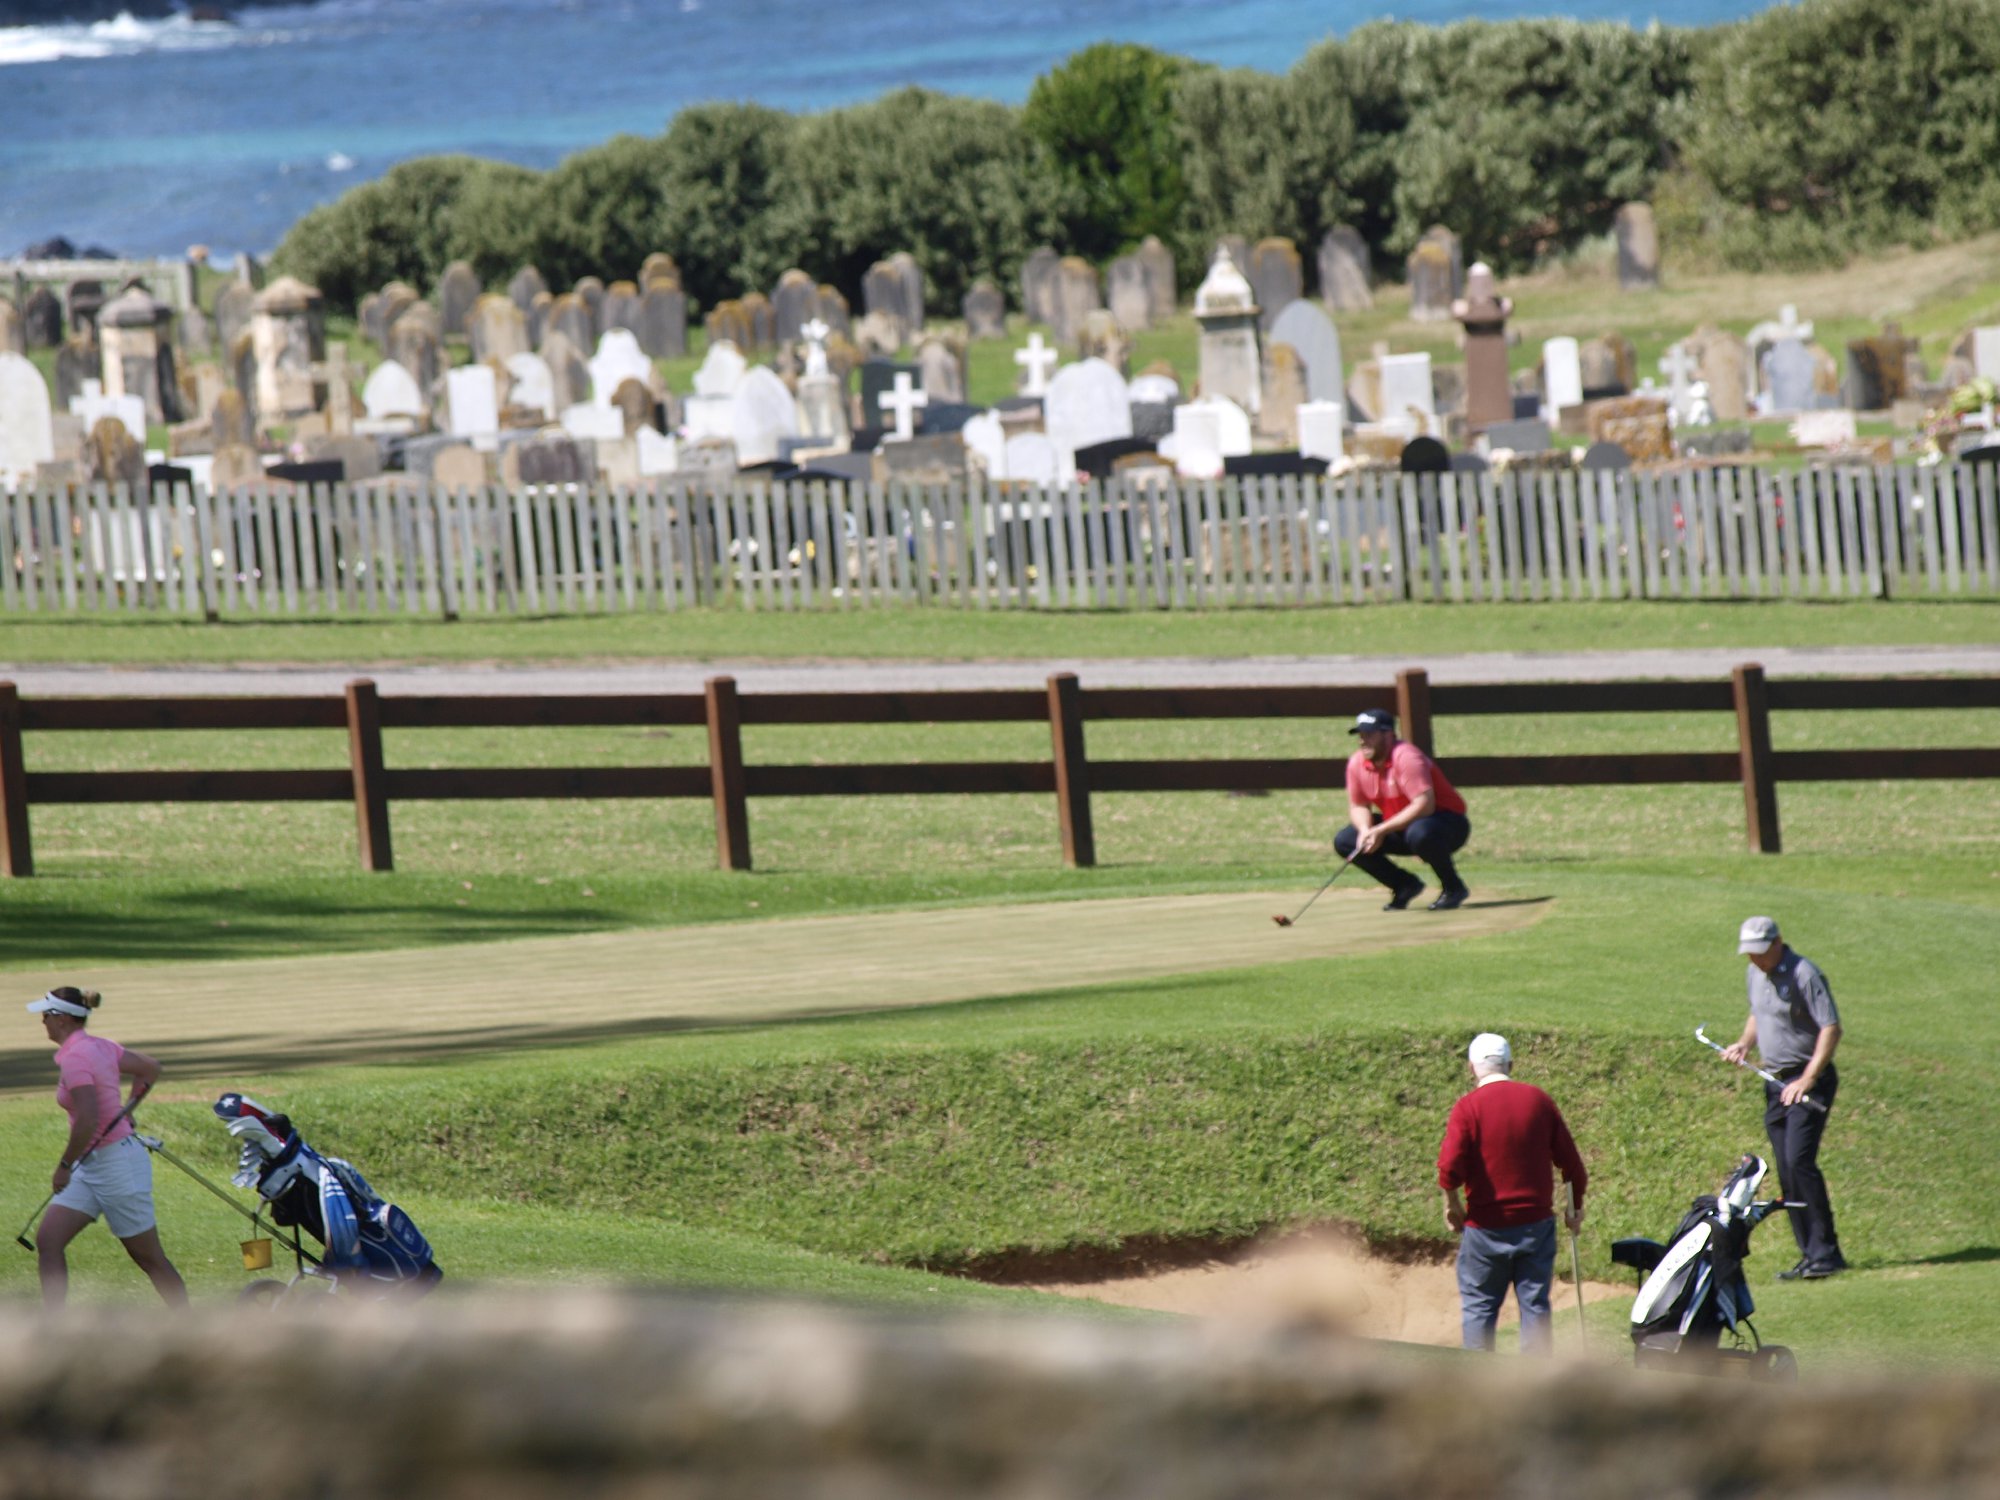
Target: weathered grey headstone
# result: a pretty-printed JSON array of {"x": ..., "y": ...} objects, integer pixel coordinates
[
  {"x": 1346, "y": 277},
  {"x": 458, "y": 289},
  {"x": 1638, "y": 247},
  {"x": 42, "y": 319},
  {"x": 231, "y": 423},
  {"x": 910, "y": 276},
  {"x": 459, "y": 467},
  {"x": 27, "y": 421},
  {"x": 659, "y": 266},
  {"x": 1437, "y": 275},
  {"x": 763, "y": 324},
  {"x": 193, "y": 333},
  {"x": 547, "y": 459},
  {"x": 86, "y": 299},
  {"x": 663, "y": 320},
  {"x": 1276, "y": 277},
  {"x": 138, "y": 358},
  {"x": 113, "y": 456},
  {"x": 985, "y": 310},
  {"x": 77, "y": 360},
  {"x": 1231, "y": 365},
  {"x": 729, "y": 322},
  {"x": 1525, "y": 435},
  {"x": 1157, "y": 262},
  {"x": 885, "y": 297},
  {"x": 1606, "y": 455},
  {"x": 1311, "y": 333},
  {"x": 570, "y": 316},
  {"x": 11, "y": 339},
  {"x": 416, "y": 344},
  {"x": 940, "y": 371},
  {"x": 636, "y": 405},
  {"x": 1038, "y": 285},
  {"x": 525, "y": 287},
  {"x": 621, "y": 306},
  {"x": 794, "y": 303},
  {"x": 1725, "y": 369},
  {"x": 1102, "y": 338},
  {"x": 1599, "y": 367},
  {"x": 234, "y": 305},
  {"x": 833, "y": 309},
  {"x": 1076, "y": 297},
  {"x": 1283, "y": 393},
  {"x": 1130, "y": 299},
  {"x": 359, "y": 457},
  {"x": 1788, "y": 375},
  {"x": 496, "y": 328},
  {"x": 591, "y": 290}
]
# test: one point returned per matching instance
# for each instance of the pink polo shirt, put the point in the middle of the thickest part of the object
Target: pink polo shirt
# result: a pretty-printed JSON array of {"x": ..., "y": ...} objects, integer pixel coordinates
[
  {"x": 1409, "y": 773},
  {"x": 91, "y": 1062}
]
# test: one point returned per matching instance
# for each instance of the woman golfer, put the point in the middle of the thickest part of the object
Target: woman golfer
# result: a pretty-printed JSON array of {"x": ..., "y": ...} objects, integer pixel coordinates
[{"x": 104, "y": 1170}]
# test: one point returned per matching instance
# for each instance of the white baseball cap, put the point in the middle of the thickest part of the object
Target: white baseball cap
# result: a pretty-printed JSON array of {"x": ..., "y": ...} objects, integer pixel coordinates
[
  {"x": 1490, "y": 1048},
  {"x": 1756, "y": 935}
]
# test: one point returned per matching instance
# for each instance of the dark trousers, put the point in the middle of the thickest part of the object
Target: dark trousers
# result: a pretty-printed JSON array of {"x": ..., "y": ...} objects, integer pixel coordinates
[
  {"x": 1795, "y": 1134},
  {"x": 1433, "y": 840}
]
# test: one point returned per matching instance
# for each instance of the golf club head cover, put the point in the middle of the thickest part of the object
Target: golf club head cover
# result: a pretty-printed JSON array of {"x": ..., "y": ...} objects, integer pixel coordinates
[{"x": 258, "y": 1144}]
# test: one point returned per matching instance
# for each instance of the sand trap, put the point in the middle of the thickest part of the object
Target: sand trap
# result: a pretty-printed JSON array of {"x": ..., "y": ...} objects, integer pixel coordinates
[
  {"x": 1327, "y": 1280},
  {"x": 417, "y": 1003}
]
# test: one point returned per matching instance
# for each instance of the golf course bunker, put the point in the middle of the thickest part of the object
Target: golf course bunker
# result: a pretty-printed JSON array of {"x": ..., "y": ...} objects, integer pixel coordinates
[
  {"x": 1324, "y": 1278},
  {"x": 432, "y": 1002}
]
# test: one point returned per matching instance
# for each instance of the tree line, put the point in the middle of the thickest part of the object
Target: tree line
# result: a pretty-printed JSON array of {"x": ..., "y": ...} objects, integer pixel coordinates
[{"x": 1793, "y": 138}]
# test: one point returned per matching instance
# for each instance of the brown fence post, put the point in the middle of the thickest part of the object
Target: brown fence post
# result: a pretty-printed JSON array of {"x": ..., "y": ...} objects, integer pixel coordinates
[
  {"x": 725, "y": 774},
  {"x": 1753, "y": 746},
  {"x": 1413, "y": 706},
  {"x": 1079, "y": 842},
  {"x": 371, "y": 786},
  {"x": 17, "y": 855}
]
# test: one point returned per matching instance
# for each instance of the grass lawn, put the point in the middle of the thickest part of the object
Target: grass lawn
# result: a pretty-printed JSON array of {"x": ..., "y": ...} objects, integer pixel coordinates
[{"x": 1408, "y": 631}]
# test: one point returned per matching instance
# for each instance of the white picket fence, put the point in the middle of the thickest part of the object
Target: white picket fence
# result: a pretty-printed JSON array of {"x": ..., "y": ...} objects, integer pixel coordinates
[{"x": 1264, "y": 541}]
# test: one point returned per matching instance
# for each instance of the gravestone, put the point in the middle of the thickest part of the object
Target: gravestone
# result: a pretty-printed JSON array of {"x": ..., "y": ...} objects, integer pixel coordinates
[
  {"x": 235, "y": 304},
  {"x": 1156, "y": 386},
  {"x": 1283, "y": 391},
  {"x": 762, "y": 324},
  {"x": 721, "y": 371},
  {"x": 1038, "y": 285},
  {"x": 728, "y": 322},
  {"x": 594, "y": 422},
  {"x": 459, "y": 467},
  {"x": 636, "y": 406},
  {"x": 416, "y": 345},
  {"x": 94, "y": 404},
  {"x": 389, "y": 392},
  {"x": 1407, "y": 395},
  {"x": 1425, "y": 455},
  {"x": 1102, "y": 338},
  {"x": 985, "y": 311},
  {"x": 234, "y": 468},
  {"x": 1602, "y": 369},
  {"x": 1087, "y": 402},
  {"x": 1195, "y": 445},
  {"x": 86, "y": 300},
  {"x": 659, "y": 266},
  {"x": 1129, "y": 298},
  {"x": 193, "y": 333},
  {"x": 525, "y": 287},
  {"x": 618, "y": 359},
  {"x": 570, "y": 316},
  {"x": 232, "y": 424},
  {"x": 882, "y": 299},
  {"x": 1985, "y": 352},
  {"x": 1679, "y": 365},
  {"x": 42, "y": 320},
  {"x": 1436, "y": 271},
  {"x": 1231, "y": 365},
  {"x": 1152, "y": 420},
  {"x": 1878, "y": 371},
  {"x": 457, "y": 291},
  {"x": 1239, "y": 252},
  {"x": 1638, "y": 248},
  {"x": 1637, "y": 424},
  {"x": 1076, "y": 297},
  {"x": 1346, "y": 277},
  {"x": 621, "y": 306},
  {"x": 138, "y": 356},
  {"x": 1157, "y": 262},
  {"x": 1276, "y": 276},
  {"x": 77, "y": 363},
  {"x": 1038, "y": 362},
  {"x": 938, "y": 368},
  {"x": 113, "y": 456},
  {"x": 877, "y": 378},
  {"x": 496, "y": 329},
  {"x": 1322, "y": 430},
  {"x": 1523, "y": 435},
  {"x": 833, "y": 310},
  {"x": 1725, "y": 371},
  {"x": 538, "y": 319},
  {"x": 1605, "y": 455},
  {"x": 473, "y": 399},
  {"x": 1824, "y": 429},
  {"x": 794, "y": 303},
  {"x": 545, "y": 460},
  {"x": 1031, "y": 458},
  {"x": 1562, "y": 374},
  {"x": 657, "y": 453},
  {"x": 590, "y": 289},
  {"x": 1788, "y": 373},
  {"x": 663, "y": 320},
  {"x": 1483, "y": 312},
  {"x": 986, "y": 439},
  {"x": 27, "y": 421},
  {"x": 534, "y": 384},
  {"x": 901, "y": 402}
]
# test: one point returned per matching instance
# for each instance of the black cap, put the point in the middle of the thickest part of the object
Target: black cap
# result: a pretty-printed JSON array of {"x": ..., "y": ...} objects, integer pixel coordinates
[{"x": 1374, "y": 718}]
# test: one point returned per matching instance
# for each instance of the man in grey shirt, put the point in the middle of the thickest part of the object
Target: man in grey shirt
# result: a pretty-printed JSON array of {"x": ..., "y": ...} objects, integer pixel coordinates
[{"x": 1796, "y": 1028}]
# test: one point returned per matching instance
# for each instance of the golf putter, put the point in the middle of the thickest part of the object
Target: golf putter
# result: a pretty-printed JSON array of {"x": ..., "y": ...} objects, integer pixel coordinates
[
  {"x": 1701, "y": 1035},
  {"x": 22, "y": 1239},
  {"x": 1575, "y": 1261},
  {"x": 1284, "y": 921}
]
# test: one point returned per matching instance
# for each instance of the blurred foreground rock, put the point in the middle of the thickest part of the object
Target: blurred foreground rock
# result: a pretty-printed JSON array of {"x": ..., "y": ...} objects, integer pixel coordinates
[{"x": 616, "y": 1396}]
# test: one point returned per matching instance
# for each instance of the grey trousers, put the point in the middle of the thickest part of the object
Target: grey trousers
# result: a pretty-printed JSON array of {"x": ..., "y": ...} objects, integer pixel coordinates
[{"x": 1490, "y": 1261}]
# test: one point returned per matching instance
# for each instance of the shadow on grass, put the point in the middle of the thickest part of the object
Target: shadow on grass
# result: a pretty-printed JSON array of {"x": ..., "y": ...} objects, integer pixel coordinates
[{"x": 1971, "y": 1255}]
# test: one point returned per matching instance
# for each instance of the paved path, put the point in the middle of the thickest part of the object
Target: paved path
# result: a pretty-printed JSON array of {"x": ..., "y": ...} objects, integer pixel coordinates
[
  {"x": 864, "y": 676},
  {"x": 259, "y": 1014}
]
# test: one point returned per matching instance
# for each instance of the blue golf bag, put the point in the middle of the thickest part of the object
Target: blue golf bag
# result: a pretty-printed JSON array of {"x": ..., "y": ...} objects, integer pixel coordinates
[{"x": 371, "y": 1244}]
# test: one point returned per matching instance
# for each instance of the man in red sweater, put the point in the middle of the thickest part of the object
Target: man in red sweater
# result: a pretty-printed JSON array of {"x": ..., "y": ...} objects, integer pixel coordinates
[{"x": 1500, "y": 1144}]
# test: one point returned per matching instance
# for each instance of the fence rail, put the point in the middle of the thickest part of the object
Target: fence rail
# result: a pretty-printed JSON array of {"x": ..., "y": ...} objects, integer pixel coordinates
[
  {"x": 729, "y": 782},
  {"x": 1117, "y": 544}
]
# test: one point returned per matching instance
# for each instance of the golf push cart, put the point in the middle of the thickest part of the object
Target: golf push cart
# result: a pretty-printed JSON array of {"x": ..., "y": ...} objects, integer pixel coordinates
[{"x": 1695, "y": 1295}]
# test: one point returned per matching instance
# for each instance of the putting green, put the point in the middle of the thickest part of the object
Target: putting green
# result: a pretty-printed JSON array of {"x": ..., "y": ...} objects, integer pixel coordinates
[{"x": 413, "y": 1003}]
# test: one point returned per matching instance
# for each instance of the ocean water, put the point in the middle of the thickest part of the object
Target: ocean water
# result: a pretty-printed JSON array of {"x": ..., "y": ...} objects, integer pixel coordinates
[{"x": 148, "y": 136}]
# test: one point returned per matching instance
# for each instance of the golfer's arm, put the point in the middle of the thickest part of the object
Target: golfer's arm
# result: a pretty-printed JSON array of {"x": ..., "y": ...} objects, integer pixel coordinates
[
  {"x": 1421, "y": 806},
  {"x": 1361, "y": 815},
  {"x": 82, "y": 1126},
  {"x": 144, "y": 1072},
  {"x": 1749, "y": 1037},
  {"x": 1823, "y": 1049}
]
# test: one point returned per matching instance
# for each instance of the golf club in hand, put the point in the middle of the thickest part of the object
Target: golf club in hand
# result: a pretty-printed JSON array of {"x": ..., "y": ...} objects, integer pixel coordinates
[
  {"x": 1284, "y": 921},
  {"x": 1701, "y": 1035},
  {"x": 22, "y": 1239}
]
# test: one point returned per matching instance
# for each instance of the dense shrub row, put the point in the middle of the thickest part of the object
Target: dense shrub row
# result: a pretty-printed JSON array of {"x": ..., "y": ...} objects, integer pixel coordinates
[{"x": 1791, "y": 138}]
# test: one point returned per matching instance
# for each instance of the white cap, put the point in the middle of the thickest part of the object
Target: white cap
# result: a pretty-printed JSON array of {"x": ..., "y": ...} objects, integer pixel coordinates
[
  {"x": 59, "y": 1005},
  {"x": 1756, "y": 935},
  {"x": 1491, "y": 1050}
]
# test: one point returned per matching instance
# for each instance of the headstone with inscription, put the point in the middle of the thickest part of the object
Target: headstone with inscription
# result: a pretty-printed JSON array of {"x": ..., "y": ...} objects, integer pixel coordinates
[
  {"x": 1276, "y": 276},
  {"x": 1346, "y": 278}
]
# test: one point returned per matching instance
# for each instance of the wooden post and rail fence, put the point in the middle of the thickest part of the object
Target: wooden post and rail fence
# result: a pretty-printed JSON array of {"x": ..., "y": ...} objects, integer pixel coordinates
[{"x": 730, "y": 782}]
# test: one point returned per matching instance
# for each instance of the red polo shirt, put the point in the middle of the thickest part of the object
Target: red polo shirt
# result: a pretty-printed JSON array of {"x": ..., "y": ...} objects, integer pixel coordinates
[
  {"x": 1409, "y": 773},
  {"x": 1500, "y": 1145}
]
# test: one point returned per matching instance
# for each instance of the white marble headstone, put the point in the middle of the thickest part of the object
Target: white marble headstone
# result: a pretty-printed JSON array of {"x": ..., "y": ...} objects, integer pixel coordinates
[
  {"x": 1087, "y": 402},
  {"x": 657, "y": 454},
  {"x": 1406, "y": 386},
  {"x": 588, "y": 420},
  {"x": 474, "y": 398},
  {"x": 1562, "y": 374},
  {"x": 1320, "y": 434},
  {"x": 1154, "y": 390},
  {"x": 761, "y": 412},
  {"x": 392, "y": 391},
  {"x": 721, "y": 370},
  {"x": 1986, "y": 352},
  {"x": 92, "y": 406},
  {"x": 1823, "y": 429},
  {"x": 534, "y": 383},
  {"x": 1032, "y": 459},
  {"x": 1195, "y": 444},
  {"x": 27, "y": 422},
  {"x": 985, "y": 436},
  {"x": 619, "y": 359}
]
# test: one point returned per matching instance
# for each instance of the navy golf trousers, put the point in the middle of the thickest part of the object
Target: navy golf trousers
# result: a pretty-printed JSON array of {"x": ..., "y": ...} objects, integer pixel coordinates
[
  {"x": 1432, "y": 839},
  {"x": 1795, "y": 1134}
]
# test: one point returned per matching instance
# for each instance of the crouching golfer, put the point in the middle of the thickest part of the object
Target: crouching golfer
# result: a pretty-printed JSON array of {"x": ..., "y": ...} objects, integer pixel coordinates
[
  {"x": 1499, "y": 1145},
  {"x": 1421, "y": 813},
  {"x": 104, "y": 1170}
]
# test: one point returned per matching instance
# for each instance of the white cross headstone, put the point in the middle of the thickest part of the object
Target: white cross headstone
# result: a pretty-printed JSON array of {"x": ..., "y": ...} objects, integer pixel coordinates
[
  {"x": 27, "y": 423},
  {"x": 1679, "y": 367},
  {"x": 1786, "y": 326},
  {"x": 1562, "y": 374},
  {"x": 1039, "y": 361},
  {"x": 903, "y": 401},
  {"x": 815, "y": 334}
]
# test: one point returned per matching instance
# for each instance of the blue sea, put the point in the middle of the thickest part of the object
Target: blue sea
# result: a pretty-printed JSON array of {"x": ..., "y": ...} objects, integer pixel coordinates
[{"x": 148, "y": 136}]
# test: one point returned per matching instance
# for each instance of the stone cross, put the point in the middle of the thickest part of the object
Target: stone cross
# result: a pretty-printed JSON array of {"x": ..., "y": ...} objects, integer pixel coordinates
[
  {"x": 1678, "y": 365},
  {"x": 815, "y": 334},
  {"x": 339, "y": 394},
  {"x": 903, "y": 401},
  {"x": 1039, "y": 361}
]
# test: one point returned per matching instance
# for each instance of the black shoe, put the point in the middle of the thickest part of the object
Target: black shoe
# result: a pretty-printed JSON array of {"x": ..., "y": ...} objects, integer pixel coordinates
[
  {"x": 1795, "y": 1272},
  {"x": 1404, "y": 896},
  {"x": 1819, "y": 1270},
  {"x": 1452, "y": 899}
]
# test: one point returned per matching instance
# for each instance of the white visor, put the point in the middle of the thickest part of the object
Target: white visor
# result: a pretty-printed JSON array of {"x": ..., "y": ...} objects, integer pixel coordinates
[{"x": 59, "y": 1005}]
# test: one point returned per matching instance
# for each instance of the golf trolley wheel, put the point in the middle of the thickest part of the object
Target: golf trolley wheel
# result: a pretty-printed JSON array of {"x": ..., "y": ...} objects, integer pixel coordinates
[
  {"x": 1775, "y": 1364},
  {"x": 263, "y": 1293}
]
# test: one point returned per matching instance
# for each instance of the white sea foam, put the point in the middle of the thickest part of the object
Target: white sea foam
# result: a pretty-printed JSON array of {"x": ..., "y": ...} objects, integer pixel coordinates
[{"x": 122, "y": 36}]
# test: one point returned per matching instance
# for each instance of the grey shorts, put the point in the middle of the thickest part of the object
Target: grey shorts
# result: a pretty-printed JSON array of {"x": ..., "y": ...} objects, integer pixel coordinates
[{"x": 116, "y": 1182}]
